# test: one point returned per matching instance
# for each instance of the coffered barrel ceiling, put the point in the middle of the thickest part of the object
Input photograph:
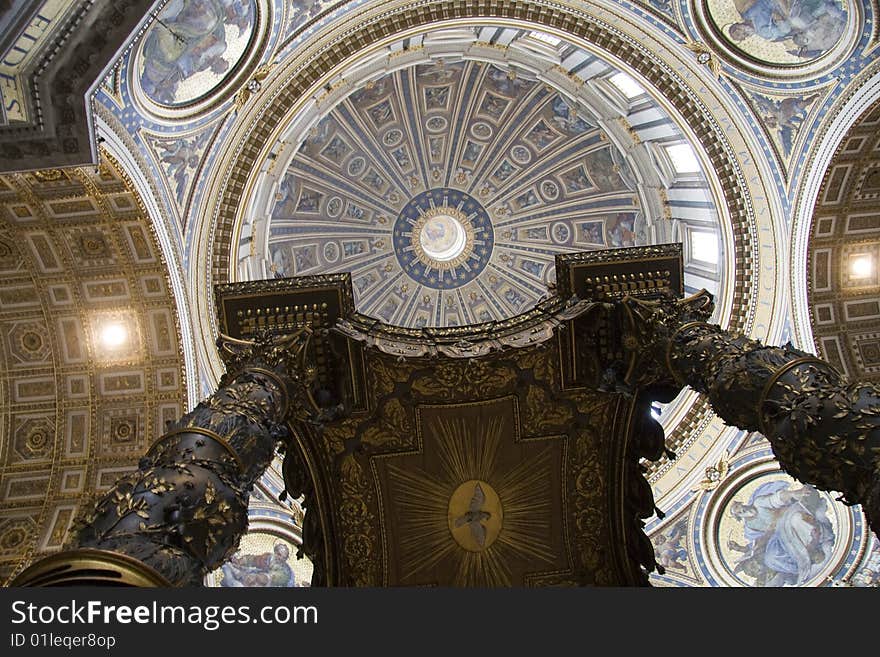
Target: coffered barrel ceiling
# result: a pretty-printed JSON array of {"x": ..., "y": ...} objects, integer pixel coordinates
[
  {"x": 90, "y": 361},
  {"x": 844, "y": 254},
  {"x": 447, "y": 186}
]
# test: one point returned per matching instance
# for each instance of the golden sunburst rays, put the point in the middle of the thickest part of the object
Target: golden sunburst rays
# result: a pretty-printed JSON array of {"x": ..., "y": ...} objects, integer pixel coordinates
[
  {"x": 422, "y": 503},
  {"x": 467, "y": 453},
  {"x": 526, "y": 496},
  {"x": 449, "y": 519}
]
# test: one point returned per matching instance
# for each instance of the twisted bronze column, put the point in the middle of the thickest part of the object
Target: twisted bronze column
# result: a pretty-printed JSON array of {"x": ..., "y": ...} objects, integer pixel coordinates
[
  {"x": 183, "y": 511},
  {"x": 824, "y": 430}
]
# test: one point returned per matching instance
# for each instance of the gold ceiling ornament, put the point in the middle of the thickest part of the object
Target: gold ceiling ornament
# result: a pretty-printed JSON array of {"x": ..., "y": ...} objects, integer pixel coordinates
[
  {"x": 83, "y": 410},
  {"x": 705, "y": 56},
  {"x": 715, "y": 474},
  {"x": 252, "y": 87},
  {"x": 49, "y": 175}
]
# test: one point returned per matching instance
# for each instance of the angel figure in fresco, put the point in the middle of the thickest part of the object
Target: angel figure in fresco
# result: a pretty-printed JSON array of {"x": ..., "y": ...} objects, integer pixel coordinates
[
  {"x": 669, "y": 547},
  {"x": 769, "y": 19},
  {"x": 503, "y": 81},
  {"x": 621, "y": 230},
  {"x": 785, "y": 116},
  {"x": 566, "y": 118},
  {"x": 181, "y": 157},
  {"x": 821, "y": 31},
  {"x": 438, "y": 71},
  {"x": 189, "y": 37},
  {"x": 267, "y": 569},
  {"x": 790, "y": 537},
  {"x": 301, "y": 11}
]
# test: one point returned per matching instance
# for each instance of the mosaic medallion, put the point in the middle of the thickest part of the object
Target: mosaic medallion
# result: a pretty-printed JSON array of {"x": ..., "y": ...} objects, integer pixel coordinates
[
  {"x": 769, "y": 530},
  {"x": 192, "y": 47},
  {"x": 443, "y": 238},
  {"x": 263, "y": 559},
  {"x": 780, "y": 32},
  {"x": 780, "y": 39}
]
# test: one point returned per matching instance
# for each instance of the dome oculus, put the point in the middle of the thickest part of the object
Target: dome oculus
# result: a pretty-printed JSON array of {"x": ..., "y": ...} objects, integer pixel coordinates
[{"x": 443, "y": 238}]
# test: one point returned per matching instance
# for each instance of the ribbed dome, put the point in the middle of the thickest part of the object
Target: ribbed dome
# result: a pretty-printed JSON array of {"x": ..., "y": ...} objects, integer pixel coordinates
[{"x": 447, "y": 189}]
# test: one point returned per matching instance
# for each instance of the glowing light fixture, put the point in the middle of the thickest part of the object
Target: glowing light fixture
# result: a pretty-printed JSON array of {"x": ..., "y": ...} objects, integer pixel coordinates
[
  {"x": 546, "y": 38},
  {"x": 113, "y": 335},
  {"x": 861, "y": 266}
]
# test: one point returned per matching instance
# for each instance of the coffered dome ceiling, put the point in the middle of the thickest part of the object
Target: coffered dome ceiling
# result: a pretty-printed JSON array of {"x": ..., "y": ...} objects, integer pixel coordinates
[{"x": 446, "y": 187}]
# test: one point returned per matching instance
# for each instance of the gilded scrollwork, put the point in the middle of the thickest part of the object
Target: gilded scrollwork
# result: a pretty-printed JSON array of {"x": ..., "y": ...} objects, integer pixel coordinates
[
  {"x": 464, "y": 378},
  {"x": 546, "y": 412},
  {"x": 358, "y": 523},
  {"x": 393, "y": 428}
]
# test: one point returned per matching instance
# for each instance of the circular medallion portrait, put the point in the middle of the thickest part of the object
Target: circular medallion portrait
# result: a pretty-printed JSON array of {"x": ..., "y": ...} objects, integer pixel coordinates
[
  {"x": 774, "y": 531},
  {"x": 793, "y": 35},
  {"x": 263, "y": 559},
  {"x": 193, "y": 48}
]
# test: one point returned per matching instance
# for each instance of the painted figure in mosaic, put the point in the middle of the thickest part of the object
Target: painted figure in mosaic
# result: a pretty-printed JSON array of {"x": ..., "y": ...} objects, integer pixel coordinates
[
  {"x": 593, "y": 232},
  {"x": 180, "y": 159},
  {"x": 267, "y": 569},
  {"x": 621, "y": 231},
  {"x": 303, "y": 10},
  {"x": 566, "y": 118},
  {"x": 505, "y": 82},
  {"x": 821, "y": 30},
  {"x": 769, "y": 19},
  {"x": 438, "y": 71},
  {"x": 814, "y": 26},
  {"x": 789, "y": 535},
  {"x": 190, "y": 38},
  {"x": 670, "y": 547},
  {"x": 603, "y": 170},
  {"x": 785, "y": 116}
]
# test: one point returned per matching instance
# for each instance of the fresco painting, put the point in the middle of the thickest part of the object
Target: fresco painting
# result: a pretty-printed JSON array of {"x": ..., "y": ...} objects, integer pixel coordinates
[
  {"x": 777, "y": 532},
  {"x": 192, "y": 46},
  {"x": 783, "y": 117},
  {"x": 302, "y": 12},
  {"x": 670, "y": 547},
  {"x": 179, "y": 159},
  {"x": 780, "y": 31},
  {"x": 264, "y": 560}
]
